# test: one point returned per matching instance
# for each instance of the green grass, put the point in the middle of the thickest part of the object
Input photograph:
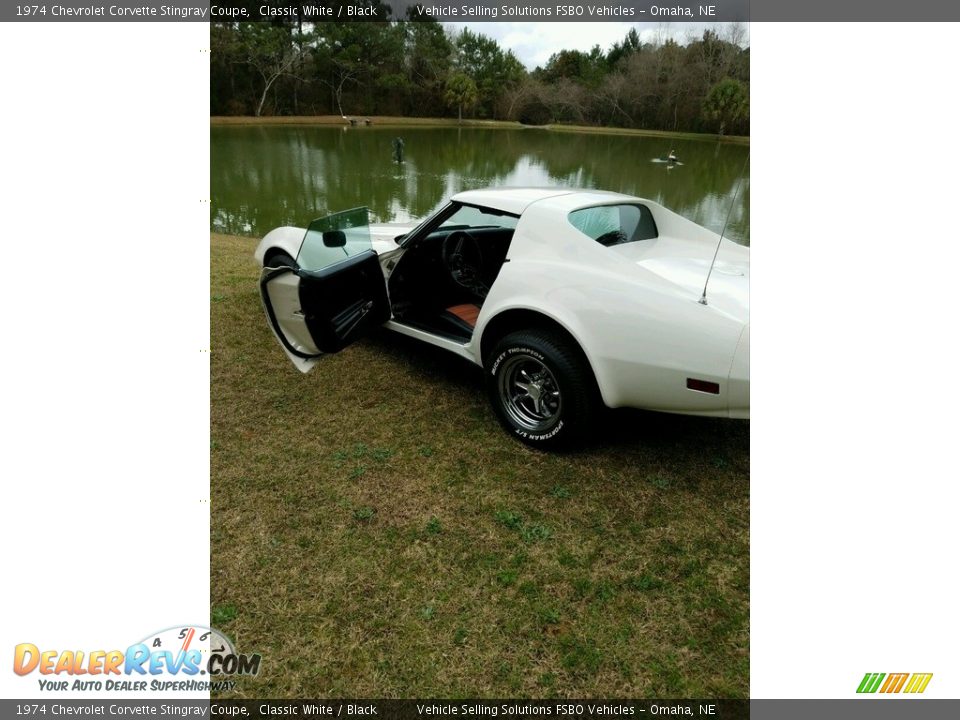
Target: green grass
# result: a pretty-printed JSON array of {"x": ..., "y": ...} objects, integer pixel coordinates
[
  {"x": 376, "y": 121},
  {"x": 394, "y": 121},
  {"x": 374, "y": 533},
  {"x": 738, "y": 139}
]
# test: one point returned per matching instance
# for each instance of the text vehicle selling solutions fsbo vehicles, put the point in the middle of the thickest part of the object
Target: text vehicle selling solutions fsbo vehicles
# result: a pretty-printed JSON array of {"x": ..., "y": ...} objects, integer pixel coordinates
[{"x": 568, "y": 299}]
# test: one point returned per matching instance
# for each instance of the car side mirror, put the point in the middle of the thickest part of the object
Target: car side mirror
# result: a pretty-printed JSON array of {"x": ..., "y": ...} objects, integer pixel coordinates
[{"x": 334, "y": 238}]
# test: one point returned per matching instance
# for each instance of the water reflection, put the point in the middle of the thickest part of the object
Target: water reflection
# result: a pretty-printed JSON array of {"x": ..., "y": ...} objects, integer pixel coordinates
[{"x": 263, "y": 177}]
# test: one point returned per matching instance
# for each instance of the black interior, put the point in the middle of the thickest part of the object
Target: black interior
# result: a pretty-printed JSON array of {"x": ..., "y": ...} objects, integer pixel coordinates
[
  {"x": 343, "y": 301},
  {"x": 421, "y": 287}
]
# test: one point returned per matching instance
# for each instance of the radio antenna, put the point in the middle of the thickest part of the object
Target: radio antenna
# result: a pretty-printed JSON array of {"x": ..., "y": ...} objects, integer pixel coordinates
[{"x": 736, "y": 192}]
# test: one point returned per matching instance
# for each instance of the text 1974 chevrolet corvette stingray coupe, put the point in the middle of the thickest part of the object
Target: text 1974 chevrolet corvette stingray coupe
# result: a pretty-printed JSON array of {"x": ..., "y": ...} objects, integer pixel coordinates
[{"x": 567, "y": 299}]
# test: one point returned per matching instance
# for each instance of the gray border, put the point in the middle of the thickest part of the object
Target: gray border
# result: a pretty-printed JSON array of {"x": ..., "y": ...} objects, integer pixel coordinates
[
  {"x": 483, "y": 10},
  {"x": 873, "y": 708}
]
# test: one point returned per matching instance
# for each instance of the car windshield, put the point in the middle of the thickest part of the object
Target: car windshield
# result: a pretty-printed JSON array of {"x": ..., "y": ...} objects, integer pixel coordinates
[
  {"x": 615, "y": 224},
  {"x": 468, "y": 216},
  {"x": 331, "y": 239}
]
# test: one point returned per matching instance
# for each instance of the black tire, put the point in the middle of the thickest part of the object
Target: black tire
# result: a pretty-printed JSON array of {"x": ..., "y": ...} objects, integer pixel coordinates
[
  {"x": 560, "y": 411},
  {"x": 279, "y": 259}
]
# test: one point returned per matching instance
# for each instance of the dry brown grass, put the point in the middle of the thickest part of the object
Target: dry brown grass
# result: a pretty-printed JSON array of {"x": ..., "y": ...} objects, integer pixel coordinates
[{"x": 376, "y": 534}]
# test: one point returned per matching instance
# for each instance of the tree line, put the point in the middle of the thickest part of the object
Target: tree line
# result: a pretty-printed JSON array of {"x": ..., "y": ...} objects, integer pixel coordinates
[{"x": 419, "y": 68}]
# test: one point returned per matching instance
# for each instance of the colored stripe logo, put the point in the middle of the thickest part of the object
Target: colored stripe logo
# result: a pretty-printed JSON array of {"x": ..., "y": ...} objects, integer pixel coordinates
[
  {"x": 894, "y": 682},
  {"x": 918, "y": 683}
]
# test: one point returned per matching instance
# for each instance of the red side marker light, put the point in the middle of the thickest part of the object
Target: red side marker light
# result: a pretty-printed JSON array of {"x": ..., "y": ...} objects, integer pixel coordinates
[{"x": 703, "y": 386}]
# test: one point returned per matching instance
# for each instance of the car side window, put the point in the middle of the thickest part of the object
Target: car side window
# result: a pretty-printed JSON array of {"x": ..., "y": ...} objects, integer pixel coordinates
[
  {"x": 331, "y": 239},
  {"x": 615, "y": 224}
]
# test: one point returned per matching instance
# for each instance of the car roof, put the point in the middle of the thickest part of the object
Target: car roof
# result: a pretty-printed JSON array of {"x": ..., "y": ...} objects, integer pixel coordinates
[{"x": 515, "y": 200}]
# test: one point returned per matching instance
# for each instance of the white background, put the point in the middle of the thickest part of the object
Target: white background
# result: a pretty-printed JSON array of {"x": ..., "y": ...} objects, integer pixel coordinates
[
  {"x": 855, "y": 363},
  {"x": 105, "y": 301},
  {"x": 105, "y": 410}
]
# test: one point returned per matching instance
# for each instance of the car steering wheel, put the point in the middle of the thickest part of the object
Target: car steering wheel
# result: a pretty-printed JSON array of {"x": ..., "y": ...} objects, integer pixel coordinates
[{"x": 463, "y": 259}]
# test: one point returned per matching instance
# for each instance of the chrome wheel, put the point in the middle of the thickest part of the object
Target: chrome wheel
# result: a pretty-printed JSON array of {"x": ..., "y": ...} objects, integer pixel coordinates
[{"x": 529, "y": 393}]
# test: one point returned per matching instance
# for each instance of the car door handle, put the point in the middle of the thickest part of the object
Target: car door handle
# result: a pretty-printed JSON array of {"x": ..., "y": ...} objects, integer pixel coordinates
[{"x": 346, "y": 321}]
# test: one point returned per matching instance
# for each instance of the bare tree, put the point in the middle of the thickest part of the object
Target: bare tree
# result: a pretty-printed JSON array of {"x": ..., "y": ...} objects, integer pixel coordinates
[
  {"x": 345, "y": 74},
  {"x": 614, "y": 93},
  {"x": 568, "y": 100},
  {"x": 270, "y": 51}
]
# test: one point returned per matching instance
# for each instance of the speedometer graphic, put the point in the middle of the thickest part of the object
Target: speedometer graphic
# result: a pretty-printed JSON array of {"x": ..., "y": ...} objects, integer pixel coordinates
[{"x": 196, "y": 648}]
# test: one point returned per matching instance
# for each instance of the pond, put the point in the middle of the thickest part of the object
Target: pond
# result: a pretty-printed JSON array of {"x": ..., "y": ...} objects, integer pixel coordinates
[{"x": 262, "y": 177}]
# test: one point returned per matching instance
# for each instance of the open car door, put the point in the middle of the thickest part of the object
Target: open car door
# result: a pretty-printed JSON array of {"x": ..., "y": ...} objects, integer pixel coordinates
[{"x": 333, "y": 295}]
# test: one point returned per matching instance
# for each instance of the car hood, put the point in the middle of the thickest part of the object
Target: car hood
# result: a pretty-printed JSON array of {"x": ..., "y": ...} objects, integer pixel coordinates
[{"x": 684, "y": 264}]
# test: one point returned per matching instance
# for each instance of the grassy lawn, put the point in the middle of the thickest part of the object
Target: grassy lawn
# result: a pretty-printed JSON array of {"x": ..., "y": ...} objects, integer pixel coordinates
[
  {"x": 391, "y": 121},
  {"x": 376, "y": 120},
  {"x": 376, "y": 534},
  {"x": 738, "y": 139}
]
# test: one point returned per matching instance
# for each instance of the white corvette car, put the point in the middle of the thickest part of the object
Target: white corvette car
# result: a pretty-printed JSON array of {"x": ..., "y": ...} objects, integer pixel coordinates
[{"x": 567, "y": 299}]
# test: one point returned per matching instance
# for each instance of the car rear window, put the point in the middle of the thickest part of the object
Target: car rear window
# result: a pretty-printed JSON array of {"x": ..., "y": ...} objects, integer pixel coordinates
[{"x": 615, "y": 224}]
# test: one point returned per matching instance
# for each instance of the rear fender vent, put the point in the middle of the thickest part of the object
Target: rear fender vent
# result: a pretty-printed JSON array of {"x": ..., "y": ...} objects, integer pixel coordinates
[{"x": 704, "y": 386}]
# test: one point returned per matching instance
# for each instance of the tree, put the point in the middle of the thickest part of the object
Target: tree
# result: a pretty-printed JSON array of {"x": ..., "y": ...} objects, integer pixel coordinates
[
  {"x": 410, "y": 68},
  {"x": 270, "y": 50},
  {"x": 527, "y": 102},
  {"x": 428, "y": 59},
  {"x": 493, "y": 70},
  {"x": 615, "y": 96},
  {"x": 621, "y": 50},
  {"x": 727, "y": 103},
  {"x": 461, "y": 93},
  {"x": 584, "y": 68}
]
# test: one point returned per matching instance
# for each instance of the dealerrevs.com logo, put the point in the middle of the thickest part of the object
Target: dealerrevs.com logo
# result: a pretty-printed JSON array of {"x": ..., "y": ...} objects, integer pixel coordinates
[
  {"x": 894, "y": 683},
  {"x": 182, "y": 658}
]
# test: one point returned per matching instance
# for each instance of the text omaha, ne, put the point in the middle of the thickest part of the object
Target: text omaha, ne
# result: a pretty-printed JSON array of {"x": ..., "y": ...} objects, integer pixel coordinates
[{"x": 562, "y": 11}]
